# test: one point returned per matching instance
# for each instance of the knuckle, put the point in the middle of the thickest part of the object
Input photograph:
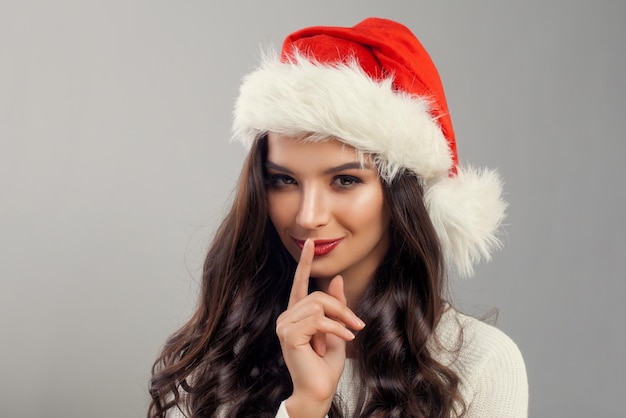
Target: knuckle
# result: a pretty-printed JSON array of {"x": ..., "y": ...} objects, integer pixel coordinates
[
  {"x": 281, "y": 327},
  {"x": 318, "y": 299},
  {"x": 318, "y": 309},
  {"x": 282, "y": 332}
]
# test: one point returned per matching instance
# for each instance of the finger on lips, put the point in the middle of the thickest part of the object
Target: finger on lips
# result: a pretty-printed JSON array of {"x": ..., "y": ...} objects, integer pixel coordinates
[
  {"x": 300, "y": 286},
  {"x": 319, "y": 312}
]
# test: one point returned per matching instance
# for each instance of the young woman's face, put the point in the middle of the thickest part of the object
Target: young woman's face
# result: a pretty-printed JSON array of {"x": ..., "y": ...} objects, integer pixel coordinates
[{"x": 320, "y": 190}]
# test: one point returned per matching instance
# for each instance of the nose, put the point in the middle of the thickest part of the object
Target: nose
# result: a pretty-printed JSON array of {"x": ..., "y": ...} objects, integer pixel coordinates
[{"x": 313, "y": 211}]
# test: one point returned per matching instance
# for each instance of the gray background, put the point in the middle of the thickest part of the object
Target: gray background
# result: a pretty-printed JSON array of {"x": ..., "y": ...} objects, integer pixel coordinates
[{"x": 115, "y": 166}]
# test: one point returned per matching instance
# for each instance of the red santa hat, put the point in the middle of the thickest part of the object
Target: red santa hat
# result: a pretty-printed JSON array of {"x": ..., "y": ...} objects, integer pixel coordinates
[{"x": 374, "y": 87}]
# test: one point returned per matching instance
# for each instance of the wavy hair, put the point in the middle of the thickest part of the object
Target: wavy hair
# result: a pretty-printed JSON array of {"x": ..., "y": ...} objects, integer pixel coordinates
[{"x": 227, "y": 361}]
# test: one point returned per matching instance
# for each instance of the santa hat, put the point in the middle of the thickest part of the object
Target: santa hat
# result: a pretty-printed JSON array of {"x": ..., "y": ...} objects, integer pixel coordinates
[{"x": 374, "y": 87}]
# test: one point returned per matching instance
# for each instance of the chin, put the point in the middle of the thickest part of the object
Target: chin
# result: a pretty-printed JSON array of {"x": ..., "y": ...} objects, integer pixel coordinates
[
  {"x": 323, "y": 274},
  {"x": 322, "y": 269}
]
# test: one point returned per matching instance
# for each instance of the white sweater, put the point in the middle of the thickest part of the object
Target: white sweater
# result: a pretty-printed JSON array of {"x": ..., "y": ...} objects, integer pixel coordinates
[{"x": 489, "y": 365}]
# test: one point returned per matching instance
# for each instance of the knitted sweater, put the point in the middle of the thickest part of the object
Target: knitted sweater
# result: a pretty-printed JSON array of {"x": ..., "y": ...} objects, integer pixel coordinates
[{"x": 489, "y": 365}]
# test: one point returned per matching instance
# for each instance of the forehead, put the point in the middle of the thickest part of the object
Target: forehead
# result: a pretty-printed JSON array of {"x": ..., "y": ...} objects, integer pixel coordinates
[{"x": 307, "y": 147}]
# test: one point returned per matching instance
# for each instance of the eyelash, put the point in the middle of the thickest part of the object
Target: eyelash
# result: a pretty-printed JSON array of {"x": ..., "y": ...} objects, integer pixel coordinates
[
  {"x": 279, "y": 181},
  {"x": 353, "y": 181},
  {"x": 342, "y": 181}
]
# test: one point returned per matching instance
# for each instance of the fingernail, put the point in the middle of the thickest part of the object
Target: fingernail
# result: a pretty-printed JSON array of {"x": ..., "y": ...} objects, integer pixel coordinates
[{"x": 359, "y": 321}]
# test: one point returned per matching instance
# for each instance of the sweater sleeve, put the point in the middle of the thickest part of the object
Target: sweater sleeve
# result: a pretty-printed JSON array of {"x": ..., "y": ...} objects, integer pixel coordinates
[
  {"x": 490, "y": 367},
  {"x": 177, "y": 413},
  {"x": 500, "y": 386},
  {"x": 282, "y": 411}
]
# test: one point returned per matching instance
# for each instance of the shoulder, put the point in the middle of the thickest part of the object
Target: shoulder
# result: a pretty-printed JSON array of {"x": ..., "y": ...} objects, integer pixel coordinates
[
  {"x": 488, "y": 362},
  {"x": 471, "y": 344}
]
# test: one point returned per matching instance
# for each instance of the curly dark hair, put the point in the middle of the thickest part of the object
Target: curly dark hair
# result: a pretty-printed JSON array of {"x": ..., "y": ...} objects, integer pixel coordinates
[{"x": 227, "y": 357}]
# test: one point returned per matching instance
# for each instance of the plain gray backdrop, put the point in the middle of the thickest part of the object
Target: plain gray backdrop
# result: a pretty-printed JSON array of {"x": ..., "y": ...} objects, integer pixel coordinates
[{"x": 116, "y": 166}]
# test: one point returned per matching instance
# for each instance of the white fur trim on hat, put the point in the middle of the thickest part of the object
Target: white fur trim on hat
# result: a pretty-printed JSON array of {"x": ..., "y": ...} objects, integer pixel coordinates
[
  {"x": 466, "y": 211},
  {"x": 342, "y": 101}
]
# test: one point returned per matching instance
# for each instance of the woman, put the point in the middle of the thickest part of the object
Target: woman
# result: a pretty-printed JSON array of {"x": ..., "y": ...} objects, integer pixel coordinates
[{"x": 323, "y": 292}]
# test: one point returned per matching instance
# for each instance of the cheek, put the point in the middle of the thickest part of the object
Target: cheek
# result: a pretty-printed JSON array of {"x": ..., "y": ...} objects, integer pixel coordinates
[
  {"x": 366, "y": 210},
  {"x": 279, "y": 210}
]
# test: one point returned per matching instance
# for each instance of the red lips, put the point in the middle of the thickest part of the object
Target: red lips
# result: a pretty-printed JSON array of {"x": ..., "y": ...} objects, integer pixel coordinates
[{"x": 322, "y": 246}]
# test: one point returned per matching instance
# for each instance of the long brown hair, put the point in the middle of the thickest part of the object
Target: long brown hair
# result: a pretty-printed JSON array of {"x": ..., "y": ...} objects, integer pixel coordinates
[{"x": 227, "y": 357}]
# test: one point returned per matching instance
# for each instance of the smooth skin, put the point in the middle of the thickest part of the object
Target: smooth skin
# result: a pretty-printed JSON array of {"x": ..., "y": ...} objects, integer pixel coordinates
[
  {"x": 325, "y": 191},
  {"x": 313, "y": 339},
  {"x": 321, "y": 191}
]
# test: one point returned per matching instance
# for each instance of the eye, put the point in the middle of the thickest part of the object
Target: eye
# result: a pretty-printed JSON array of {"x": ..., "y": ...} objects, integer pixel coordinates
[
  {"x": 346, "y": 182},
  {"x": 277, "y": 181}
]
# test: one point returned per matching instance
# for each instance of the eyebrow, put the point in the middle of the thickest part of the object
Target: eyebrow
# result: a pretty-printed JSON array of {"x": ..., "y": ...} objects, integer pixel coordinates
[{"x": 332, "y": 170}]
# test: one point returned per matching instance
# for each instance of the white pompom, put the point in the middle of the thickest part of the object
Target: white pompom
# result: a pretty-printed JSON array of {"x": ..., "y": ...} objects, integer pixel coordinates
[{"x": 466, "y": 211}]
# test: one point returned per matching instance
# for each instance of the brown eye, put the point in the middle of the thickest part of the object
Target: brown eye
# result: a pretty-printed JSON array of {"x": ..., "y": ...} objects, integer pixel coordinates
[
  {"x": 280, "y": 180},
  {"x": 345, "y": 181}
]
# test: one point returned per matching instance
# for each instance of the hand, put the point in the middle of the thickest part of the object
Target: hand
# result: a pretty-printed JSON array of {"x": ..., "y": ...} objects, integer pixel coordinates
[{"x": 313, "y": 334}]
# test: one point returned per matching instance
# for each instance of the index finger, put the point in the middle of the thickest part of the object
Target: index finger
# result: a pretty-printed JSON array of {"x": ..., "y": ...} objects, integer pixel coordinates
[{"x": 300, "y": 286}]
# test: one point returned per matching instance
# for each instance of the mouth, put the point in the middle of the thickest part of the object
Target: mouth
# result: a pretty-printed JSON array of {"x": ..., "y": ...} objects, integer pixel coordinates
[{"x": 322, "y": 246}]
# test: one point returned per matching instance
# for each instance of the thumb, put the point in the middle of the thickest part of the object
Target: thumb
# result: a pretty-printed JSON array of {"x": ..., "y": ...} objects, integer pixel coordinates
[{"x": 335, "y": 289}]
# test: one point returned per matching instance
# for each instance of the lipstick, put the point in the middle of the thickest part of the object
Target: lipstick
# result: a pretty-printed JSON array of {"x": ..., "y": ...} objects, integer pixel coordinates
[{"x": 322, "y": 246}]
